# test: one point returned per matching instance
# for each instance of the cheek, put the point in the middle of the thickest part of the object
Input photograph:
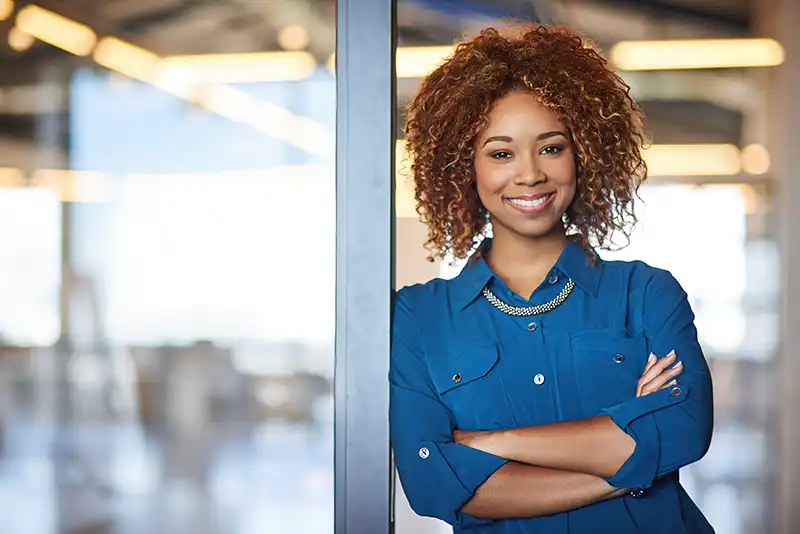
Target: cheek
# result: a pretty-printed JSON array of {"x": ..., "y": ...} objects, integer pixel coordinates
[{"x": 489, "y": 182}]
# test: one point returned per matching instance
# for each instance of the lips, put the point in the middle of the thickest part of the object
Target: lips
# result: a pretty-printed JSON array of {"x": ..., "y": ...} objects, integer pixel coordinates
[{"x": 530, "y": 204}]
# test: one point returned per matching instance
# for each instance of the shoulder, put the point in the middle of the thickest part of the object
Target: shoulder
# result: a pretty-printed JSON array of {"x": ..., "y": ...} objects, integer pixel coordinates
[
  {"x": 641, "y": 277},
  {"x": 424, "y": 296}
]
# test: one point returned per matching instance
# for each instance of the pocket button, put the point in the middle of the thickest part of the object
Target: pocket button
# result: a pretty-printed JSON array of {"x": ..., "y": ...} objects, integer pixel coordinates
[
  {"x": 676, "y": 391},
  {"x": 538, "y": 379},
  {"x": 456, "y": 378},
  {"x": 619, "y": 358}
]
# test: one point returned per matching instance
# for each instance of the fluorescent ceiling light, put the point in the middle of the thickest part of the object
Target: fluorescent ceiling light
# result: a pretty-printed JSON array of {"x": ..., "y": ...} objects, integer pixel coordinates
[
  {"x": 53, "y": 29},
  {"x": 412, "y": 61},
  {"x": 696, "y": 54},
  {"x": 419, "y": 61},
  {"x": 693, "y": 160},
  {"x": 10, "y": 177},
  {"x": 242, "y": 68},
  {"x": 19, "y": 40},
  {"x": 125, "y": 58},
  {"x": 755, "y": 159},
  {"x": 6, "y": 9}
]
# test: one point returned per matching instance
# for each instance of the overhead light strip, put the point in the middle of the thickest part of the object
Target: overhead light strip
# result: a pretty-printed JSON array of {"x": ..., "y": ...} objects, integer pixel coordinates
[
  {"x": 697, "y": 54},
  {"x": 175, "y": 78}
]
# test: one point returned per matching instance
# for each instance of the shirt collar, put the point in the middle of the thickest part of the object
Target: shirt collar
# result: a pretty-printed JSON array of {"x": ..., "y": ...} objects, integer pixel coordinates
[{"x": 574, "y": 262}]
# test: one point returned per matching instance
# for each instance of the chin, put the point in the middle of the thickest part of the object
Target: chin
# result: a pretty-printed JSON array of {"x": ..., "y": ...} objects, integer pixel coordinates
[{"x": 539, "y": 230}]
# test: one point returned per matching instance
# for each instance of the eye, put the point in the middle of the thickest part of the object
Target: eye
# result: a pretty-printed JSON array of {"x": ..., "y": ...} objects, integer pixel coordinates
[
  {"x": 500, "y": 154},
  {"x": 552, "y": 150}
]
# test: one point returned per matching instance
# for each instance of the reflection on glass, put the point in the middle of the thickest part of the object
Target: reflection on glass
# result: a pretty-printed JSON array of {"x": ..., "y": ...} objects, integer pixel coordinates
[{"x": 167, "y": 264}]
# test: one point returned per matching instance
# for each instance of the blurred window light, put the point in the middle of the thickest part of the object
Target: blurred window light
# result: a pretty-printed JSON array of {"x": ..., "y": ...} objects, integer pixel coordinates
[
  {"x": 293, "y": 37},
  {"x": 693, "y": 160},
  {"x": 74, "y": 186},
  {"x": 19, "y": 40},
  {"x": 6, "y": 9},
  {"x": 56, "y": 30},
  {"x": 755, "y": 159},
  {"x": 696, "y": 54},
  {"x": 242, "y": 68}
]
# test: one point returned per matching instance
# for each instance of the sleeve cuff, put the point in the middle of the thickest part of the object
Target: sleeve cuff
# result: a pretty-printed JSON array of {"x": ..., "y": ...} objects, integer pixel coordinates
[
  {"x": 623, "y": 414},
  {"x": 467, "y": 468},
  {"x": 635, "y": 418}
]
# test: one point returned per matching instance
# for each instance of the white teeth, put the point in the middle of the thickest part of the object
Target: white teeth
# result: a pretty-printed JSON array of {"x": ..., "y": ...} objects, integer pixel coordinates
[{"x": 529, "y": 203}]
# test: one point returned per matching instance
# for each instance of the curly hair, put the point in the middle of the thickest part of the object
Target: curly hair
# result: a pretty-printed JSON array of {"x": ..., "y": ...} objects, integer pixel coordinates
[{"x": 569, "y": 77}]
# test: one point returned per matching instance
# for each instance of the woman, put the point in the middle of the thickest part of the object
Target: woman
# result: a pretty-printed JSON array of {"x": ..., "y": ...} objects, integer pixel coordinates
[{"x": 543, "y": 390}]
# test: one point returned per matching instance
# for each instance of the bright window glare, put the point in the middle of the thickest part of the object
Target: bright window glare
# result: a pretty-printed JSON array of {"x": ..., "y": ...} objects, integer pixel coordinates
[
  {"x": 30, "y": 226},
  {"x": 220, "y": 258}
]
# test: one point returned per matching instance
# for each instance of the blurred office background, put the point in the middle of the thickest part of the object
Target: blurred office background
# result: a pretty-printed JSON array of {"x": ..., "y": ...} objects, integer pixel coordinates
[{"x": 167, "y": 248}]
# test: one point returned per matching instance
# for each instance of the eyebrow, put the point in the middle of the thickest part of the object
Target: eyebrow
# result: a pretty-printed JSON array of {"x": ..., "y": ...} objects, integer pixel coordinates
[{"x": 540, "y": 137}]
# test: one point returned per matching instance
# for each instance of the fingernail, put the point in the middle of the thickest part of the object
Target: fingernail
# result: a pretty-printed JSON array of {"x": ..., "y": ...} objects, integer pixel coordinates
[
  {"x": 671, "y": 354},
  {"x": 652, "y": 358},
  {"x": 679, "y": 364}
]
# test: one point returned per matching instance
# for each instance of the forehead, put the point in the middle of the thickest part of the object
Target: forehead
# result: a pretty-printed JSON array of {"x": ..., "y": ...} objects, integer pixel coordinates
[{"x": 522, "y": 111}]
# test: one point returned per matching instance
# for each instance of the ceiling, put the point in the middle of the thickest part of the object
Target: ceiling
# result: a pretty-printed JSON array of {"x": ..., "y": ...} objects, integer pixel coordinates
[{"x": 170, "y": 27}]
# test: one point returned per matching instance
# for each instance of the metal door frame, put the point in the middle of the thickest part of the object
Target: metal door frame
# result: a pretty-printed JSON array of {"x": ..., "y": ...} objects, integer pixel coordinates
[{"x": 365, "y": 141}]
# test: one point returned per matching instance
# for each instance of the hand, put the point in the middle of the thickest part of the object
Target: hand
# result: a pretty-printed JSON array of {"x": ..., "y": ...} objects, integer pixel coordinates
[{"x": 658, "y": 374}]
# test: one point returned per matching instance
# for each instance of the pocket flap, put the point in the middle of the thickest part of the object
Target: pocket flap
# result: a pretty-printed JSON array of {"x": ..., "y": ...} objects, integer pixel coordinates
[
  {"x": 472, "y": 364},
  {"x": 629, "y": 346}
]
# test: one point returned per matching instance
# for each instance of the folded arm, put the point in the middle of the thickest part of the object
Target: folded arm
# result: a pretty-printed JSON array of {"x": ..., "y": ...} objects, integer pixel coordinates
[
  {"x": 521, "y": 490},
  {"x": 635, "y": 442},
  {"x": 461, "y": 485}
]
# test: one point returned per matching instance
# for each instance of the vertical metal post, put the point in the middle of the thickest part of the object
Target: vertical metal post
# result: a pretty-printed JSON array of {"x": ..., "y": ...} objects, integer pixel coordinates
[{"x": 365, "y": 136}]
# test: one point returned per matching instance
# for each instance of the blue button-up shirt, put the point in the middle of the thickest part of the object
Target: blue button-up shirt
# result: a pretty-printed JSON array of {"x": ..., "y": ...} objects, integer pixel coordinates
[{"x": 460, "y": 363}]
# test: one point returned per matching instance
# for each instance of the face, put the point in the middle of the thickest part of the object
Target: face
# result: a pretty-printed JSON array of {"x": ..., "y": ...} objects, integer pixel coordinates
[{"x": 525, "y": 167}]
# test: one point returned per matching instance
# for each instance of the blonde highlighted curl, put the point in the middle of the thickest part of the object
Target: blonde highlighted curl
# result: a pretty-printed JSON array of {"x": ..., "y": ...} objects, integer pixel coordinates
[{"x": 569, "y": 77}]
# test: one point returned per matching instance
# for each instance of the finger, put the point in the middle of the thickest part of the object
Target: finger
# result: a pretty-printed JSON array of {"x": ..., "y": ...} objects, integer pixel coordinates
[
  {"x": 673, "y": 383},
  {"x": 650, "y": 362},
  {"x": 659, "y": 381},
  {"x": 659, "y": 367}
]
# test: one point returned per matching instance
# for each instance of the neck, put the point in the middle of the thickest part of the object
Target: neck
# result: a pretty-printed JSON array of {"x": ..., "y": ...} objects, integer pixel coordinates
[{"x": 522, "y": 262}]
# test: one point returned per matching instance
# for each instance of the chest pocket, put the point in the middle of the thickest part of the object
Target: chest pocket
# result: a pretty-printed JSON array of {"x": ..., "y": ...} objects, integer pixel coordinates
[
  {"x": 607, "y": 367},
  {"x": 471, "y": 386}
]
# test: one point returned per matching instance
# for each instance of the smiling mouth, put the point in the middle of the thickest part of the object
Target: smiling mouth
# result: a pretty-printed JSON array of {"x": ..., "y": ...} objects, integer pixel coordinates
[{"x": 528, "y": 202}]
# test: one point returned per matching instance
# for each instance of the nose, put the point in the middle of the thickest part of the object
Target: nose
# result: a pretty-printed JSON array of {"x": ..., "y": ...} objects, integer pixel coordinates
[{"x": 529, "y": 172}]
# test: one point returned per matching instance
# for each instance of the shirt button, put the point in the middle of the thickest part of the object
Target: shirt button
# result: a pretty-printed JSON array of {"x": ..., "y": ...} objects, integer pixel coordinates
[
  {"x": 552, "y": 279},
  {"x": 538, "y": 379},
  {"x": 619, "y": 358},
  {"x": 456, "y": 378},
  {"x": 532, "y": 326},
  {"x": 676, "y": 391},
  {"x": 424, "y": 453}
]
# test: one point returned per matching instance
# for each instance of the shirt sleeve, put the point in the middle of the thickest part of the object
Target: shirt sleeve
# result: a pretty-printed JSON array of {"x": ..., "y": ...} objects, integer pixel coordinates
[
  {"x": 438, "y": 476},
  {"x": 671, "y": 427}
]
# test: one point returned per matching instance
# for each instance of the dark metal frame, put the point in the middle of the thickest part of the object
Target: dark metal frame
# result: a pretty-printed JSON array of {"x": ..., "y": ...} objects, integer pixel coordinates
[{"x": 365, "y": 140}]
